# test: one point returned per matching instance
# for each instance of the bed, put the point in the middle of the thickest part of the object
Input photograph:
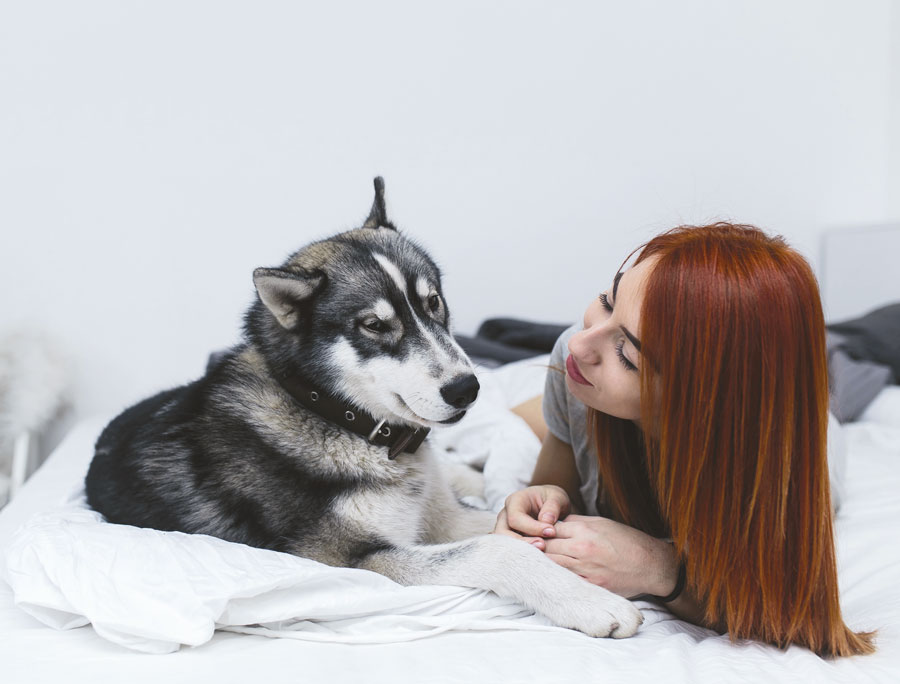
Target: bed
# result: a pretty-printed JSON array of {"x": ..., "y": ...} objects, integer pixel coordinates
[{"x": 97, "y": 608}]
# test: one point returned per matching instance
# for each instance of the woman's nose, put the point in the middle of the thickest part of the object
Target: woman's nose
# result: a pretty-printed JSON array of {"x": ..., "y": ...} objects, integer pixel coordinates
[{"x": 584, "y": 345}]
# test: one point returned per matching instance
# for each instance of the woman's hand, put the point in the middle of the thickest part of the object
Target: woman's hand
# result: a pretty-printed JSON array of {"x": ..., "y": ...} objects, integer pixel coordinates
[
  {"x": 530, "y": 513},
  {"x": 614, "y": 556}
]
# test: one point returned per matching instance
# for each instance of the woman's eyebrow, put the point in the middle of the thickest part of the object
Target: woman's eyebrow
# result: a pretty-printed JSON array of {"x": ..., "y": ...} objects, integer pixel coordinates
[
  {"x": 635, "y": 341},
  {"x": 616, "y": 284}
]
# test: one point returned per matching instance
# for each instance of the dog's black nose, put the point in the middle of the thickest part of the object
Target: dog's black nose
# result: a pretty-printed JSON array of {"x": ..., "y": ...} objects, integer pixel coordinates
[{"x": 461, "y": 392}]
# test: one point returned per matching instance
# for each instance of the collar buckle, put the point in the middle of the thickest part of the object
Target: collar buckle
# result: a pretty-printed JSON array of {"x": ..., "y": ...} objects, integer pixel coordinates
[
  {"x": 402, "y": 441},
  {"x": 376, "y": 430}
]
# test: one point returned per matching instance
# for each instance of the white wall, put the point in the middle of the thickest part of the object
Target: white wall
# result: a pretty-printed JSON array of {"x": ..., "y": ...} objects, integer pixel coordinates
[
  {"x": 152, "y": 154},
  {"x": 894, "y": 136},
  {"x": 858, "y": 269}
]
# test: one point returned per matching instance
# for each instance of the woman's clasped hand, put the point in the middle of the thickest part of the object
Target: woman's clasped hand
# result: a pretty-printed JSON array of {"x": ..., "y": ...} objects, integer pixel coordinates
[{"x": 617, "y": 557}]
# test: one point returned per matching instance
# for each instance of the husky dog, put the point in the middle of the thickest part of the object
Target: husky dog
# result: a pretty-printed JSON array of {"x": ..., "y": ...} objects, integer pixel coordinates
[{"x": 308, "y": 437}]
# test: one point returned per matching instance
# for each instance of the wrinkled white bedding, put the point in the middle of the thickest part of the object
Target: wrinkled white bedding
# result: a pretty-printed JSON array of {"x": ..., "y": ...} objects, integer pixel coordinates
[{"x": 154, "y": 591}]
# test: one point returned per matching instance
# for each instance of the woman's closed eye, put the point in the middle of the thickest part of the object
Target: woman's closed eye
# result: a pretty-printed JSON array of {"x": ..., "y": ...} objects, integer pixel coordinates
[
  {"x": 625, "y": 362},
  {"x": 604, "y": 300}
]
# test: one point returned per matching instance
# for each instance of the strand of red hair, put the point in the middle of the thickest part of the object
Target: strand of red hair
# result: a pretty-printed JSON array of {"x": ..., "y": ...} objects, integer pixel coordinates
[{"x": 734, "y": 469}]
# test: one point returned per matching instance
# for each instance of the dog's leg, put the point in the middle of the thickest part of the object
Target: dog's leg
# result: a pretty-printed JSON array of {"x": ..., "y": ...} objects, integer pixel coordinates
[
  {"x": 457, "y": 522},
  {"x": 445, "y": 519},
  {"x": 464, "y": 480},
  {"x": 512, "y": 569}
]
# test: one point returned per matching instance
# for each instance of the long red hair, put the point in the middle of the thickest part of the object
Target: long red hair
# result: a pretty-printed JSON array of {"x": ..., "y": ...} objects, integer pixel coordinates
[{"x": 732, "y": 461}]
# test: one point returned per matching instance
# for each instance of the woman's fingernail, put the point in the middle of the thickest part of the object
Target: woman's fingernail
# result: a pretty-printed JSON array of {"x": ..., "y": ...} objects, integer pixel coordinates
[{"x": 548, "y": 531}]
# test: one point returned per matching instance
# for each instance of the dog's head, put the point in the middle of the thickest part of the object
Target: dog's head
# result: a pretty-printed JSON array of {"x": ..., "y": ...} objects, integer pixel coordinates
[{"x": 362, "y": 316}]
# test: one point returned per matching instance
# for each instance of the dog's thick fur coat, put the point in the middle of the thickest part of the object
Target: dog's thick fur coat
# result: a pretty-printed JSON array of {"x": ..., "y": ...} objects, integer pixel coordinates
[{"x": 360, "y": 315}]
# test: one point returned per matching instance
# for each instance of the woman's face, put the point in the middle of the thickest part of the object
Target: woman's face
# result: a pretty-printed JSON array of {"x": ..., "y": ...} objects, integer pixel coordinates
[{"x": 602, "y": 369}]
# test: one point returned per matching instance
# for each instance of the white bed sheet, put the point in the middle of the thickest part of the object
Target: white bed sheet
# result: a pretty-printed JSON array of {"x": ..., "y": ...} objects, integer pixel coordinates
[{"x": 665, "y": 649}]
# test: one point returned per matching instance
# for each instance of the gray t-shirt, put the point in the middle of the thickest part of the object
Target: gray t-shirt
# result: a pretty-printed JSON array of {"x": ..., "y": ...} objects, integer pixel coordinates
[{"x": 566, "y": 418}]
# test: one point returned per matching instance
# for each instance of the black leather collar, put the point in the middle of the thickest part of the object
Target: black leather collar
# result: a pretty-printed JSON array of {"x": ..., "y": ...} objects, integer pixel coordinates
[{"x": 378, "y": 432}]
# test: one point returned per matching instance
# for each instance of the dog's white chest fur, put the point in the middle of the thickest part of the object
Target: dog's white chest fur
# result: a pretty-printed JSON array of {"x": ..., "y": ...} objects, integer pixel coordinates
[{"x": 395, "y": 508}]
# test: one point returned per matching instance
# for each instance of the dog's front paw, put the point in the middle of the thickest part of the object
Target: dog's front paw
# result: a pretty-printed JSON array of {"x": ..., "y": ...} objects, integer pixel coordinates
[
  {"x": 598, "y": 613},
  {"x": 464, "y": 480}
]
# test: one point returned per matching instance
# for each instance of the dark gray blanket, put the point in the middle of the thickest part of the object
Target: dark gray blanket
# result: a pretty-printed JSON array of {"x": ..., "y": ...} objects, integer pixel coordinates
[{"x": 874, "y": 337}]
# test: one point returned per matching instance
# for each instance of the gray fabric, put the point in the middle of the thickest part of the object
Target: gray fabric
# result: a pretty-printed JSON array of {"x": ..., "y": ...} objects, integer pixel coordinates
[
  {"x": 874, "y": 337},
  {"x": 566, "y": 418},
  {"x": 854, "y": 382},
  {"x": 486, "y": 352},
  {"x": 522, "y": 334}
]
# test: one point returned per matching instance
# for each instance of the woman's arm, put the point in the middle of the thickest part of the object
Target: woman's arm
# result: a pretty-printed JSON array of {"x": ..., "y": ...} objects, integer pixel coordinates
[
  {"x": 532, "y": 412},
  {"x": 556, "y": 466},
  {"x": 556, "y": 461},
  {"x": 530, "y": 513},
  {"x": 653, "y": 563},
  {"x": 622, "y": 559},
  {"x": 686, "y": 606}
]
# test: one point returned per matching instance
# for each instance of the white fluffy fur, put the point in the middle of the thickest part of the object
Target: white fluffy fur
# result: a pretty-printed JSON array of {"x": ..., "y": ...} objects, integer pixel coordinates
[{"x": 34, "y": 378}]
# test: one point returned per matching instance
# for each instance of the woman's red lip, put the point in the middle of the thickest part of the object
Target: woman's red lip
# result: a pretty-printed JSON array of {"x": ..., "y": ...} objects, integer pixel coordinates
[{"x": 573, "y": 371}]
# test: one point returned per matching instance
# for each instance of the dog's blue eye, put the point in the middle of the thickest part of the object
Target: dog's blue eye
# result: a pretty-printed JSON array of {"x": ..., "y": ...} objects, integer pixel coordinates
[
  {"x": 375, "y": 325},
  {"x": 434, "y": 302}
]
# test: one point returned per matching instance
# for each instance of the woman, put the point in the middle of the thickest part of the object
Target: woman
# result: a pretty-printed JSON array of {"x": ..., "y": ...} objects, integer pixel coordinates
[{"x": 702, "y": 446}]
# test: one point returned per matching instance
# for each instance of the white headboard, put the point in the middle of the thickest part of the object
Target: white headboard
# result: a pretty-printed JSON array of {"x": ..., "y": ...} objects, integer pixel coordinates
[{"x": 860, "y": 270}]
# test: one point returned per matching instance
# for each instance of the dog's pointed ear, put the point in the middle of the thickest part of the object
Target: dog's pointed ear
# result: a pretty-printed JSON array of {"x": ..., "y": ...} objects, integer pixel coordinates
[
  {"x": 378, "y": 216},
  {"x": 283, "y": 291}
]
